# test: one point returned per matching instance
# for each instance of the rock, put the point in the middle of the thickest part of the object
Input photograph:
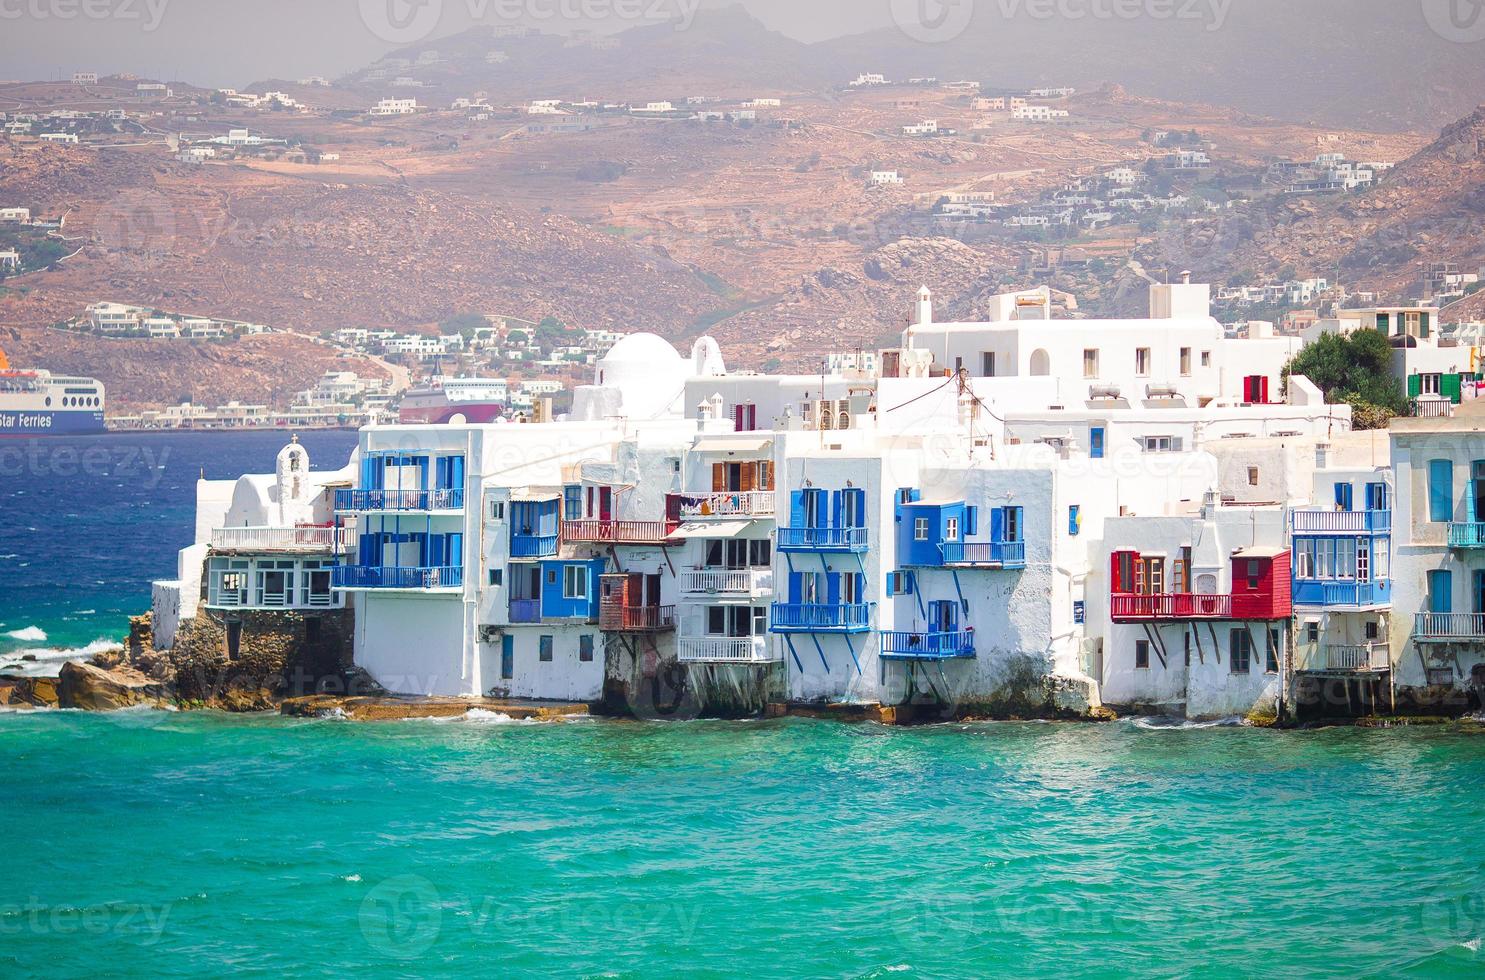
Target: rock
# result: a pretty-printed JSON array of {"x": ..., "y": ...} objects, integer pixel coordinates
[
  {"x": 29, "y": 658},
  {"x": 92, "y": 688},
  {"x": 29, "y": 692}
]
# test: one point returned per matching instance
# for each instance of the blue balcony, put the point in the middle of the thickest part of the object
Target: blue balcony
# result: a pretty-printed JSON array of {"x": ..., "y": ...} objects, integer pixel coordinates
[
  {"x": 371, "y": 577},
  {"x": 845, "y": 539},
  {"x": 533, "y": 545},
  {"x": 792, "y": 617},
  {"x": 1336, "y": 594},
  {"x": 1317, "y": 521},
  {"x": 985, "y": 554},
  {"x": 928, "y": 646},
  {"x": 525, "y": 610},
  {"x": 1467, "y": 536},
  {"x": 398, "y": 501}
]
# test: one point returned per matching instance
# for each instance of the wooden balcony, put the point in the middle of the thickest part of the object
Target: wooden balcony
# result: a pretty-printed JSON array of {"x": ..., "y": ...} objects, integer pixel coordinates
[
  {"x": 373, "y": 578},
  {"x": 399, "y": 501},
  {"x": 1172, "y": 607},
  {"x": 1448, "y": 627},
  {"x": 1342, "y": 521},
  {"x": 928, "y": 646},
  {"x": 821, "y": 617},
  {"x": 286, "y": 540},
  {"x": 720, "y": 581},
  {"x": 724, "y": 650},
  {"x": 847, "y": 539},
  {"x": 617, "y": 532},
  {"x": 721, "y": 506},
  {"x": 616, "y": 618},
  {"x": 985, "y": 554}
]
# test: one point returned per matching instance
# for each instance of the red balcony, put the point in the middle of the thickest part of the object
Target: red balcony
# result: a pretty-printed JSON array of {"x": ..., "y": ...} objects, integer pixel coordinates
[
  {"x": 1260, "y": 590},
  {"x": 616, "y": 618},
  {"x": 617, "y": 532}
]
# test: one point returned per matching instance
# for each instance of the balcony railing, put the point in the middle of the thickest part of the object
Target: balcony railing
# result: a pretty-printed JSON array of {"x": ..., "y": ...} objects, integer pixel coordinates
[
  {"x": 748, "y": 581},
  {"x": 1365, "y": 656},
  {"x": 525, "y": 610},
  {"x": 406, "y": 579},
  {"x": 1431, "y": 408},
  {"x": 1444, "y": 627},
  {"x": 1341, "y": 594},
  {"x": 533, "y": 545},
  {"x": 928, "y": 646},
  {"x": 791, "y": 617},
  {"x": 1172, "y": 606},
  {"x": 724, "y": 650},
  {"x": 372, "y": 501},
  {"x": 615, "y": 618},
  {"x": 823, "y": 539},
  {"x": 749, "y": 503},
  {"x": 326, "y": 540},
  {"x": 1342, "y": 521},
  {"x": 993, "y": 554},
  {"x": 1463, "y": 535},
  {"x": 617, "y": 532}
]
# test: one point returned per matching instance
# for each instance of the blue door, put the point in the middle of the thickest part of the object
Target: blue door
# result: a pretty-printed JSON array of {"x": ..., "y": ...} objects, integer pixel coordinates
[
  {"x": 1095, "y": 443},
  {"x": 1440, "y": 592},
  {"x": 507, "y": 657}
]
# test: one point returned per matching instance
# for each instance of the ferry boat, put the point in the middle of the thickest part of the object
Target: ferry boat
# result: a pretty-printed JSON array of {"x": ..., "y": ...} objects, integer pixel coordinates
[
  {"x": 440, "y": 400},
  {"x": 39, "y": 403}
]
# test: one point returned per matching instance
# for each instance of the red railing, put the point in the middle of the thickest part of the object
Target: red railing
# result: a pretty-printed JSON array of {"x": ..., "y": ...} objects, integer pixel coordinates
[
  {"x": 616, "y": 618},
  {"x": 618, "y": 532},
  {"x": 1174, "y": 605}
]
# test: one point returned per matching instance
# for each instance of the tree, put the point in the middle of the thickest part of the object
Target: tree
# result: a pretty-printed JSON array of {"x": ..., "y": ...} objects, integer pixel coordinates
[
  {"x": 1356, "y": 370},
  {"x": 465, "y": 325}
]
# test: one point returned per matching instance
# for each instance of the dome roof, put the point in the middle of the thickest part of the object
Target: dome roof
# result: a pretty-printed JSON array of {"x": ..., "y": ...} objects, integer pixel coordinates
[{"x": 645, "y": 348}]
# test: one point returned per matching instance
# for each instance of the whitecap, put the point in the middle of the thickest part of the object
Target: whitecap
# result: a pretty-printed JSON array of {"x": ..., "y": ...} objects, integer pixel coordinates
[
  {"x": 28, "y": 634},
  {"x": 1160, "y": 723}
]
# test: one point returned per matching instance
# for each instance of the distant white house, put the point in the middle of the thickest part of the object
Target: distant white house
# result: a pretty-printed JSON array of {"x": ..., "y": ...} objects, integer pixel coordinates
[
  {"x": 85, "y": 78},
  {"x": 10, "y": 260},
  {"x": 195, "y": 154},
  {"x": 58, "y": 137},
  {"x": 20, "y": 215},
  {"x": 1038, "y": 113},
  {"x": 928, "y": 127},
  {"x": 394, "y": 107},
  {"x": 882, "y": 178},
  {"x": 867, "y": 80}
]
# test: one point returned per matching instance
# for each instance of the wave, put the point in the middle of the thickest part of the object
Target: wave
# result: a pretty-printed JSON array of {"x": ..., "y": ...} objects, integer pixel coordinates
[
  {"x": 49, "y": 658},
  {"x": 1163, "y": 723},
  {"x": 28, "y": 634}
]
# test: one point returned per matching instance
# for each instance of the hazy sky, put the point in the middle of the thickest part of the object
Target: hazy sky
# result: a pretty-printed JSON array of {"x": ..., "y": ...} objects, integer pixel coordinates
[{"x": 234, "y": 42}]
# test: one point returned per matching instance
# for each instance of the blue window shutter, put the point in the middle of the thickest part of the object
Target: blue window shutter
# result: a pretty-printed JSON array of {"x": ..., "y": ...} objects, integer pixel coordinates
[
  {"x": 796, "y": 588},
  {"x": 1095, "y": 443},
  {"x": 1440, "y": 490},
  {"x": 1020, "y": 522},
  {"x": 971, "y": 521},
  {"x": 912, "y": 582},
  {"x": 832, "y": 584},
  {"x": 1440, "y": 592},
  {"x": 796, "y": 509},
  {"x": 835, "y": 508},
  {"x": 858, "y": 502},
  {"x": 1074, "y": 519},
  {"x": 454, "y": 556},
  {"x": 997, "y": 524},
  {"x": 368, "y": 550}
]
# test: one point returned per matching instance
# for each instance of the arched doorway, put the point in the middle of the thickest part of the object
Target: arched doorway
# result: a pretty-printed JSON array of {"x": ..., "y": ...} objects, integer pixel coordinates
[{"x": 1041, "y": 364}]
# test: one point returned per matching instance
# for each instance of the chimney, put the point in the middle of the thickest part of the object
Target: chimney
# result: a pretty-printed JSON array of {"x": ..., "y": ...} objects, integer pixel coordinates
[
  {"x": 1211, "y": 501},
  {"x": 1186, "y": 277}
]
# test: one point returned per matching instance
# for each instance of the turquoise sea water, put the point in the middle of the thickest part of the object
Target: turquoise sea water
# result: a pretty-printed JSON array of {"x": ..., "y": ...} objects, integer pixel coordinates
[{"x": 173, "y": 844}]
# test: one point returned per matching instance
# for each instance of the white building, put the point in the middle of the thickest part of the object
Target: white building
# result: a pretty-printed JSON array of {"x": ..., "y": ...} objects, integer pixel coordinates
[
  {"x": 394, "y": 107},
  {"x": 884, "y": 178}
]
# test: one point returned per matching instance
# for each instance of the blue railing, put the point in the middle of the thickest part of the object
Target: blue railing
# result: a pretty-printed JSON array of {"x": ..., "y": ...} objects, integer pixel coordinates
[
  {"x": 394, "y": 500},
  {"x": 1001, "y": 554},
  {"x": 374, "y": 577},
  {"x": 928, "y": 646},
  {"x": 1467, "y": 535},
  {"x": 823, "y": 538},
  {"x": 1325, "y": 592},
  {"x": 525, "y": 610},
  {"x": 1320, "y": 521},
  {"x": 533, "y": 545},
  {"x": 792, "y": 617}
]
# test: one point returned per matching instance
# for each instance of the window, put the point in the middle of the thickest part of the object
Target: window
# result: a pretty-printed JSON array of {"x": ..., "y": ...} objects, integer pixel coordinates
[
  {"x": 1152, "y": 574},
  {"x": 850, "y": 588},
  {"x": 1440, "y": 490},
  {"x": 1206, "y": 358},
  {"x": 1185, "y": 362},
  {"x": 1255, "y": 572},
  {"x": 1181, "y": 576},
  {"x": 988, "y": 363},
  {"x": 1010, "y": 524},
  {"x": 1142, "y": 362},
  {"x": 760, "y": 554},
  {"x": 1271, "y": 661},
  {"x": 497, "y": 510},
  {"x": 1162, "y": 444},
  {"x": 545, "y": 655},
  {"x": 920, "y": 529},
  {"x": 951, "y": 529},
  {"x": 572, "y": 503},
  {"x": 1240, "y": 651},
  {"x": 1430, "y": 384},
  {"x": 1252, "y": 476},
  {"x": 1074, "y": 520},
  {"x": 1090, "y": 363},
  {"x": 585, "y": 648},
  {"x": 1343, "y": 496},
  {"x": 900, "y": 583},
  {"x": 1186, "y": 642},
  {"x": 497, "y": 576},
  {"x": 1372, "y": 630},
  {"x": 1312, "y": 631},
  {"x": 1141, "y": 654},
  {"x": 575, "y": 582}
]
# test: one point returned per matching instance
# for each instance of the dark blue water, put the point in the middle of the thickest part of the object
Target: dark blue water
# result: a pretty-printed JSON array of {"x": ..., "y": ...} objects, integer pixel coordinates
[{"x": 87, "y": 522}]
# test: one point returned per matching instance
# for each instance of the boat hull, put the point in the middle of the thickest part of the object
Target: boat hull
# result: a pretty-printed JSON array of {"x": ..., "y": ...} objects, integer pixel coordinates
[
  {"x": 19, "y": 422},
  {"x": 475, "y": 414}
]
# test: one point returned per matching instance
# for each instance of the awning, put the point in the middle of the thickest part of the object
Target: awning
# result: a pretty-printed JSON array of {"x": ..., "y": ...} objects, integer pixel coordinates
[
  {"x": 529, "y": 496},
  {"x": 732, "y": 445},
  {"x": 712, "y": 529}
]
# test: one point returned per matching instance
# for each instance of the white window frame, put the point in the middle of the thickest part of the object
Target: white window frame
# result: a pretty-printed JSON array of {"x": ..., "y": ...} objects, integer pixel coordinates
[
  {"x": 920, "y": 529},
  {"x": 568, "y": 580}
]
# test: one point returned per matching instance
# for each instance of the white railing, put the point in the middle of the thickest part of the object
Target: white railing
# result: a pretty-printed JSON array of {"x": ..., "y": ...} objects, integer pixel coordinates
[
  {"x": 748, "y": 581},
  {"x": 724, "y": 649},
  {"x": 307, "y": 539},
  {"x": 745, "y": 503},
  {"x": 1364, "y": 656}
]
